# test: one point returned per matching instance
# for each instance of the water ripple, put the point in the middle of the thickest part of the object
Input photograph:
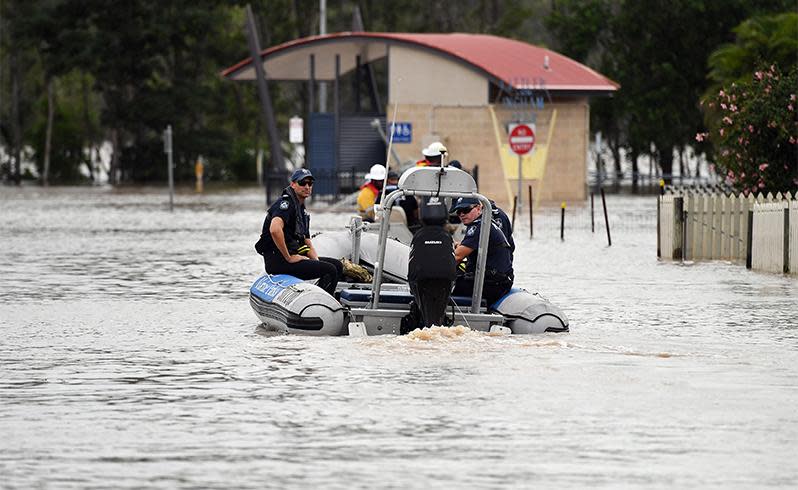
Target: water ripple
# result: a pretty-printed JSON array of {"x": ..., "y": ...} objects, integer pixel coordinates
[{"x": 130, "y": 358}]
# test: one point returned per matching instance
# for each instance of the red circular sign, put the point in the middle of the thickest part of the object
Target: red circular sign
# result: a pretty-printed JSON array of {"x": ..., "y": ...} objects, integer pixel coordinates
[{"x": 522, "y": 139}]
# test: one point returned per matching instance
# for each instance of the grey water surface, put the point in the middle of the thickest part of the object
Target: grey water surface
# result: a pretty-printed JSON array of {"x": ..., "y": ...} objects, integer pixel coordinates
[{"x": 130, "y": 358}]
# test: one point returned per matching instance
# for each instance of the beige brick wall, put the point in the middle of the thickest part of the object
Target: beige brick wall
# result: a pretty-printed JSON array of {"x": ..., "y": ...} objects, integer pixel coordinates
[
  {"x": 469, "y": 134},
  {"x": 433, "y": 79}
]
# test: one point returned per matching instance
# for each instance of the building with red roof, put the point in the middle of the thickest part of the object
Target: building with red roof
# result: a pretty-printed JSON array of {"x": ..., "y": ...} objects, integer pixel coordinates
[{"x": 464, "y": 90}]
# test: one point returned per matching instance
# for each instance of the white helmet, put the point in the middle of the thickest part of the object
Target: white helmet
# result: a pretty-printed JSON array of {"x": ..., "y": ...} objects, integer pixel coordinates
[
  {"x": 376, "y": 172},
  {"x": 434, "y": 149}
]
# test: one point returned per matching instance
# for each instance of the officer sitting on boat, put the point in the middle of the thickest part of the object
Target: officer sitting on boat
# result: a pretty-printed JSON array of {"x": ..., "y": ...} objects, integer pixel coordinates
[
  {"x": 285, "y": 240},
  {"x": 499, "y": 263},
  {"x": 503, "y": 222}
]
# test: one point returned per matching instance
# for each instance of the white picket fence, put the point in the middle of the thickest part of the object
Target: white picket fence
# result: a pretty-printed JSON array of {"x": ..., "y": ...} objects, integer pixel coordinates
[{"x": 760, "y": 231}]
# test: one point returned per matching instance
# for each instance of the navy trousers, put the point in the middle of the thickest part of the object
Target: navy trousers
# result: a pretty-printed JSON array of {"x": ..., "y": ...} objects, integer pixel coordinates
[{"x": 326, "y": 269}]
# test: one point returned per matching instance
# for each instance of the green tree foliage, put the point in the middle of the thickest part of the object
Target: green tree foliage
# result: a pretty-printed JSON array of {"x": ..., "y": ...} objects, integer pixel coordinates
[
  {"x": 662, "y": 48},
  {"x": 21, "y": 81},
  {"x": 75, "y": 127},
  {"x": 750, "y": 108},
  {"x": 768, "y": 37},
  {"x": 756, "y": 136},
  {"x": 657, "y": 51},
  {"x": 124, "y": 70},
  {"x": 580, "y": 26}
]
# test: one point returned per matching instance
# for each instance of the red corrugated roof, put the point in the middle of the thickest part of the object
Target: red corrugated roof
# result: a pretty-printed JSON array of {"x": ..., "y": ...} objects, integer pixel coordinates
[{"x": 515, "y": 63}]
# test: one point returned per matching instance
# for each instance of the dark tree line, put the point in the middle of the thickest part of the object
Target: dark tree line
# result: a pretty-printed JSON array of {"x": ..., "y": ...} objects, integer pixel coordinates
[
  {"x": 78, "y": 77},
  {"x": 659, "y": 51}
]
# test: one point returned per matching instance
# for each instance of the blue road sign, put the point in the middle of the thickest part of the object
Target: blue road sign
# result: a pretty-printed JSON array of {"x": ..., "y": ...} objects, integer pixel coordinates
[{"x": 402, "y": 132}]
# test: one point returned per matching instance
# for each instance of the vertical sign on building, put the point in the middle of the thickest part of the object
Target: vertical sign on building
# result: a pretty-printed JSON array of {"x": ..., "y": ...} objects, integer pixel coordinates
[{"x": 522, "y": 140}]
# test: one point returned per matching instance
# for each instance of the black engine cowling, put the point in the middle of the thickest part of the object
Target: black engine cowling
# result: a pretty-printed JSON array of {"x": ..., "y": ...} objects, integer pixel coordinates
[{"x": 431, "y": 270}]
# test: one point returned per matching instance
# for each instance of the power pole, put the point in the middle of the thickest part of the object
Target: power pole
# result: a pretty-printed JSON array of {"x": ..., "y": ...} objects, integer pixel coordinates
[
  {"x": 322, "y": 31},
  {"x": 265, "y": 100}
]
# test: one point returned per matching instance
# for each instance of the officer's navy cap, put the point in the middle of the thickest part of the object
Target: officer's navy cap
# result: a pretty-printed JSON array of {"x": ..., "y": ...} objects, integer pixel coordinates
[
  {"x": 464, "y": 202},
  {"x": 300, "y": 174}
]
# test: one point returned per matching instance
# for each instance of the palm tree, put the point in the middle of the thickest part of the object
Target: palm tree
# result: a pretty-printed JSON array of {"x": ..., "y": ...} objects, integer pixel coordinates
[{"x": 770, "y": 38}]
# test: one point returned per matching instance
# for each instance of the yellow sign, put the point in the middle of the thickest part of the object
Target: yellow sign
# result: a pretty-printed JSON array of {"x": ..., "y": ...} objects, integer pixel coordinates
[
  {"x": 533, "y": 164},
  {"x": 199, "y": 169}
]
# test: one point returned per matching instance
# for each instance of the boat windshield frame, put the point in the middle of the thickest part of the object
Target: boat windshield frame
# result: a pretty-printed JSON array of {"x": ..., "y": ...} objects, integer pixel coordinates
[{"x": 454, "y": 189}]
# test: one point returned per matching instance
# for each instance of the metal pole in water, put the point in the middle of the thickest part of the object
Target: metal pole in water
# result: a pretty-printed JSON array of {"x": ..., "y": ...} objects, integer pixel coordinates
[
  {"x": 606, "y": 221},
  {"x": 531, "y": 221},
  {"x": 515, "y": 206},
  {"x": 167, "y": 148},
  {"x": 659, "y": 210},
  {"x": 786, "y": 266},
  {"x": 520, "y": 179},
  {"x": 749, "y": 240},
  {"x": 562, "y": 221}
]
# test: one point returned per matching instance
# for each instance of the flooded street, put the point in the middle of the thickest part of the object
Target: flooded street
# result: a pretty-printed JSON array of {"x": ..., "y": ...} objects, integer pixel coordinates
[{"x": 130, "y": 357}]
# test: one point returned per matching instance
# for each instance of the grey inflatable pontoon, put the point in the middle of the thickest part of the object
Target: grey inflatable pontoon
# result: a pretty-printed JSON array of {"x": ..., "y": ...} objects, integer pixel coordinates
[{"x": 285, "y": 303}]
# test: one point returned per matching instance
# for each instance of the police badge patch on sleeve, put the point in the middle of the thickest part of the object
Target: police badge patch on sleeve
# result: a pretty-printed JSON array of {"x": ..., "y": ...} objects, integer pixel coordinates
[{"x": 284, "y": 205}]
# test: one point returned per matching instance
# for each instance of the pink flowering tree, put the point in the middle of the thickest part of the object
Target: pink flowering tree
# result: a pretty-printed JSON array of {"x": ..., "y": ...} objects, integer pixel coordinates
[{"x": 753, "y": 128}]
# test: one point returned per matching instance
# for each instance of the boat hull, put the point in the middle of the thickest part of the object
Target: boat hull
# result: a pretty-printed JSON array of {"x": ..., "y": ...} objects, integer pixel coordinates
[
  {"x": 287, "y": 304},
  {"x": 528, "y": 313}
]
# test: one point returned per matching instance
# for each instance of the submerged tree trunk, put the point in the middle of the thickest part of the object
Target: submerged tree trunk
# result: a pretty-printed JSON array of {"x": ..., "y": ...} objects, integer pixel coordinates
[
  {"x": 666, "y": 164},
  {"x": 16, "y": 124},
  {"x": 114, "y": 170},
  {"x": 89, "y": 142},
  {"x": 618, "y": 174},
  {"x": 97, "y": 162},
  {"x": 48, "y": 137},
  {"x": 633, "y": 156},
  {"x": 683, "y": 170}
]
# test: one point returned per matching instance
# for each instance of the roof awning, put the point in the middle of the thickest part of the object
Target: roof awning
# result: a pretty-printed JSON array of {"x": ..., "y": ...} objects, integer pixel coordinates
[
  {"x": 512, "y": 63},
  {"x": 291, "y": 61}
]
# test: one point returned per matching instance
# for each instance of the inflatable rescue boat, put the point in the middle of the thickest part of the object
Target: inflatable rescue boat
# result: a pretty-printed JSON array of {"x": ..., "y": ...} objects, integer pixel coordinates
[{"x": 388, "y": 304}]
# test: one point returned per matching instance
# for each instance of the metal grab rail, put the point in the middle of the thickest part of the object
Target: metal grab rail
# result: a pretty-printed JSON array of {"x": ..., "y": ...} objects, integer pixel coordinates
[{"x": 484, "y": 236}]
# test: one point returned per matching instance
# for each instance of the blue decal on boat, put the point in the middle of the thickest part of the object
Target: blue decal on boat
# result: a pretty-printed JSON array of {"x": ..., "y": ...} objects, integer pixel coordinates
[{"x": 267, "y": 287}]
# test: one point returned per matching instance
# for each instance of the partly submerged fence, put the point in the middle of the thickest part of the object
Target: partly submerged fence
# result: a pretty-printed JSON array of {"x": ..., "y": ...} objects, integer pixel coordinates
[{"x": 760, "y": 231}]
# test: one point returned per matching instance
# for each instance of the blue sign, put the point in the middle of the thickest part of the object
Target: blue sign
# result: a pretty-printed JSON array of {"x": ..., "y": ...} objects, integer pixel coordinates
[
  {"x": 402, "y": 132},
  {"x": 267, "y": 287}
]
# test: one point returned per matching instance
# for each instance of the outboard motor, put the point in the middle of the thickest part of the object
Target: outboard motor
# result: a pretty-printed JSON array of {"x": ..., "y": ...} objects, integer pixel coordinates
[{"x": 432, "y": 268}]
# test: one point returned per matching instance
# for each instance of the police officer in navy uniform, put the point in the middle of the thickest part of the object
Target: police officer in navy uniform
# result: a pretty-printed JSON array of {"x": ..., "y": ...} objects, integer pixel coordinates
[
  {"x": 499, "y": 217},
  {"x": 285, "y": 240},
  {"x": 499, "y": 263},
  {"x": 503, "y": 222}
]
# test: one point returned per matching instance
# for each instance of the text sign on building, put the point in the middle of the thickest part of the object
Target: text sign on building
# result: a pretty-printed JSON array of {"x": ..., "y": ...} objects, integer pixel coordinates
[
  {"x": 402, "y": 132},
  {"x": 295, "y": 131},
  {"x": 522, "y": 139}
]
